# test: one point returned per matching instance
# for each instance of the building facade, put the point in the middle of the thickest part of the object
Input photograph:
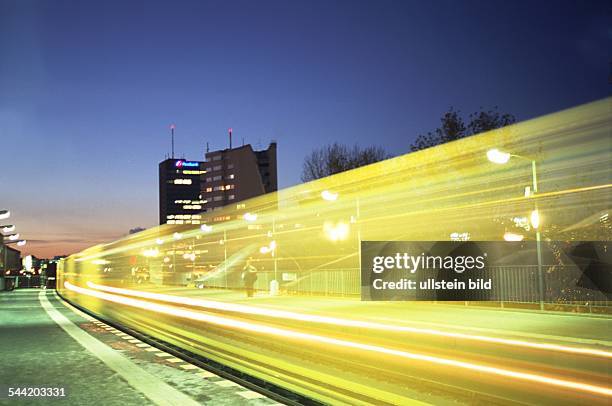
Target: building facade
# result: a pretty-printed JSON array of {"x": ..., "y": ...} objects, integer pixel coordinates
[
  {"x": 236, "y": 174},
  {"x": 180, "y": 199}
]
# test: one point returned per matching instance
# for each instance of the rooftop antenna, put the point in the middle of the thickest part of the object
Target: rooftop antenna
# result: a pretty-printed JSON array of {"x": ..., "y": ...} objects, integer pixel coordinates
[
  {"x": 230, "y": 137},
  {"x": 207, "y": 149},
  {"x": 172, "y": 127}
]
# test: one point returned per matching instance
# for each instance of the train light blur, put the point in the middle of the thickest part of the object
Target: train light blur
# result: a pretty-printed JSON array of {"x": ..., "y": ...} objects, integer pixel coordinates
[
  {"x": 151, "y": 252},
  {"x": 311, "y": 318},
  {"x": 513, "y": 237},
  {"x": 285, "y": 333},
  {"x": 496, "y": 156},
  {"x": 448, "y": 191}
]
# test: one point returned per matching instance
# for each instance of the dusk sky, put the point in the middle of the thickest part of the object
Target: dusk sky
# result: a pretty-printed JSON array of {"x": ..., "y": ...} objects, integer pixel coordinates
[{"x": 88, "y": 89}]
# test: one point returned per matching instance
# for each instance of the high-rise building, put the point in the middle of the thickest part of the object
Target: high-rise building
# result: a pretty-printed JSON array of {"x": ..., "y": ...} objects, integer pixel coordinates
[
  {"x": 179, "y": 191},
  {"x": 236, "y": 174}
]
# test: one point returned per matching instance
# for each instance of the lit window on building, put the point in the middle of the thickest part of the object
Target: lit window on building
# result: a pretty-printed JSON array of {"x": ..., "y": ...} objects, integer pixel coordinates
[
  {"x": 216, "y": 178},
  {"x": 231, "y": 197},
  {"x": 230, "y": 176},
  {"x": 217, "y": 168},
  {"x": 182, "y": 181}
]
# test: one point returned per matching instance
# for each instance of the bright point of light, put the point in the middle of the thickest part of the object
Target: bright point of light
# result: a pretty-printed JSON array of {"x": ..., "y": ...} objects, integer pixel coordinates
[
  {"x": 206, "y": 228},
  {"x": 166, "y": 260},
  {"x": 336, "y": 232},
  {"x": 329, "y": 196},
  {"x": 177, "y": 236},
  {"x": 4, "y": 214},
  {"x": 250, "y": 216},
  {"x": 8, "y": 229},
  {"x": 496, "y": 156},
  {"x": 535, "y": 219},
  {"x": 13, "y": 237},
  {"x": 21, "y": 243},
  {"x": 264, "y": 329},
  {"x": 273, "y": 245},
  {"x": 159, "y": 241},
  {"x": 513, "y": 237},
  {"x": 150, "y": 252},
  {"x": 27, "y": 263},
  {"x": 264, "y": 250}
]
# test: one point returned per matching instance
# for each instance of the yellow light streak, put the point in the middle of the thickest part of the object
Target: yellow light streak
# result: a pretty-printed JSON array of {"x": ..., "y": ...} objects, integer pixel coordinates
[
  {"x": 232, "y": 307},
  {"x": 262, "y": 329}
]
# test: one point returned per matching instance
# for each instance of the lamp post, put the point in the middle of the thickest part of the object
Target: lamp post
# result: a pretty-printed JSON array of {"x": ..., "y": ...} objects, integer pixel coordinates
[{"x": 499, "y": 157}]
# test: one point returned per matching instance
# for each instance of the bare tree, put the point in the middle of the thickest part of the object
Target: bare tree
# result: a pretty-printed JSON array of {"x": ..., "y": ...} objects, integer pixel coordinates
[
  {"x": 335, "y": 158},
  {"x": 453, "y": 127}
]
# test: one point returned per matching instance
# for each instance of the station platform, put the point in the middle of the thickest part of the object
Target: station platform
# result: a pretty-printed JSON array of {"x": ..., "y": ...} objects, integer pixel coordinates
[{"x": 47, "y": 343}]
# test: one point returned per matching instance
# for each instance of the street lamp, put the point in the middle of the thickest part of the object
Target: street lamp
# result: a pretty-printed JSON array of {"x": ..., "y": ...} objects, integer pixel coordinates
[
  {"x": 8, "y": 228},
  {"x": 499, "y": 157},
  {"x": 4, "y": 214}
]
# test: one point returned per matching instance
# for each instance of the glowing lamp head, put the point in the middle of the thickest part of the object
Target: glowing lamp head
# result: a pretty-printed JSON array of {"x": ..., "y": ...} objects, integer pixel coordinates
[
  {"x": 329, "y": 196},
  {"x": 4, "y": 214},
  {"x": 8, "y": 229},
  {"x": 13, "y": 237},
  {"x": 172, "y": 126},
  {"x": 498, "y": 157}
]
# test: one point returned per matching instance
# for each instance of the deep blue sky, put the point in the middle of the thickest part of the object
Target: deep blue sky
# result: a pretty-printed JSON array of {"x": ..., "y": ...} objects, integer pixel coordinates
[{"x": 88, "y": 89}]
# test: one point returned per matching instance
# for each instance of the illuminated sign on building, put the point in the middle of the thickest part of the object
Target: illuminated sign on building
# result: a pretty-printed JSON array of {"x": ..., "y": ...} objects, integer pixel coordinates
[{"x": 186, "y": 164}]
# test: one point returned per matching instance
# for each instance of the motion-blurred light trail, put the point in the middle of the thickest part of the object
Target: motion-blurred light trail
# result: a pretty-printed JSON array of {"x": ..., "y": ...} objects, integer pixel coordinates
[
  {"x": 262, "y": 329},
  {"x": 232, "y": 307}
]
